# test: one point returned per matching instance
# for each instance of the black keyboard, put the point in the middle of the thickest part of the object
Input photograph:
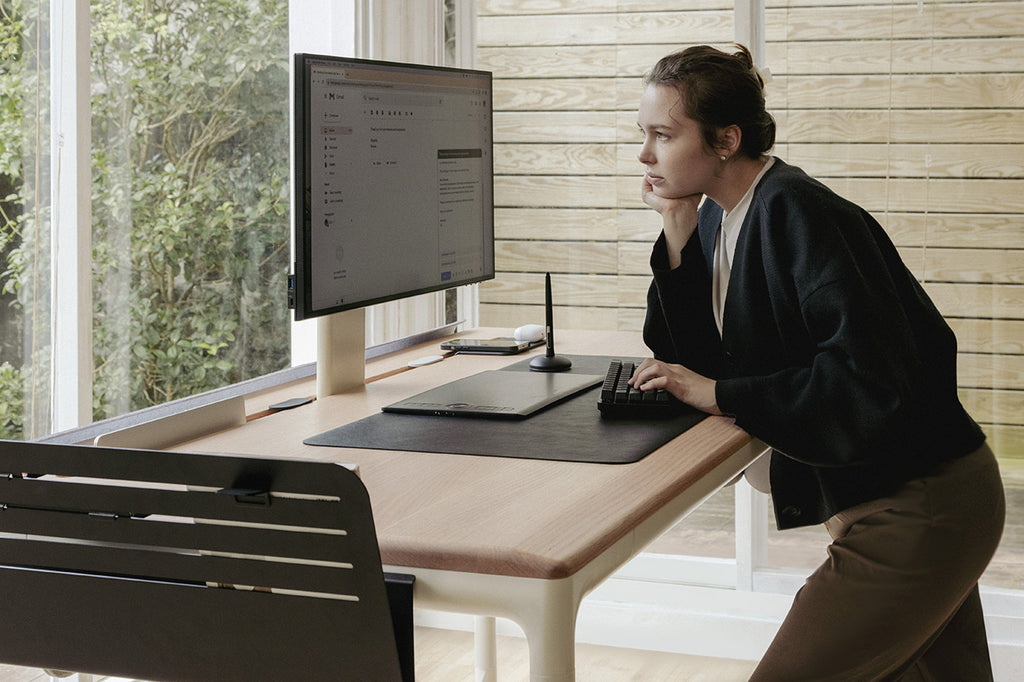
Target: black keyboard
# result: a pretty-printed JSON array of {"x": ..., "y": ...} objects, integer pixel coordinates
[{"x": 619, "y": 399}]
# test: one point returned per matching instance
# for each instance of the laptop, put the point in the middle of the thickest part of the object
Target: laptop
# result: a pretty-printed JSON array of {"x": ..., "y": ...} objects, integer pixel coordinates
[{"x": 497, "y": 394}]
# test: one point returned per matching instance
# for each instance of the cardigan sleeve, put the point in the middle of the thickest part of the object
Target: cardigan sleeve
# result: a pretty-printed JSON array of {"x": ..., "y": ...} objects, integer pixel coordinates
[
  {"x": 855, "y": 392},
  {"x": 680, "y": 326}
]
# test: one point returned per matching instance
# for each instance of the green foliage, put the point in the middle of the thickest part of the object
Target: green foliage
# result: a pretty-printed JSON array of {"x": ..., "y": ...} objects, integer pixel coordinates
[
  {"x": 12, "y": 400},
  {"x": 11, "y": 113},
  {"x": 189, "y": 193},
  {"x": 190, "y": 198},
  {"x": 11, "y": 29}
]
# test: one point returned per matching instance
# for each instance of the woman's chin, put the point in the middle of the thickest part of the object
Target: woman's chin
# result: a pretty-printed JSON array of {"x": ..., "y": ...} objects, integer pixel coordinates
[{"x": 670, "y": 195}]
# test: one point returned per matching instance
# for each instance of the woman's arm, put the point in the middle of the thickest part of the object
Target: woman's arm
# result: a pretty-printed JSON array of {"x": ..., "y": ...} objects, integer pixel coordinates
[{"x": 678, "y": 217}]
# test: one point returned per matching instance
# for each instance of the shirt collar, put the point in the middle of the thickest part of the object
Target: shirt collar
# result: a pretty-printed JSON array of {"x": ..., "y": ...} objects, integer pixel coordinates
[{"x": 733, "y": 220}]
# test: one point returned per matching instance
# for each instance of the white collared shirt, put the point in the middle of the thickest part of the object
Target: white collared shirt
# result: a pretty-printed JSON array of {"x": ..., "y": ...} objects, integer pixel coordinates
[{"x": 725, "y": 247}]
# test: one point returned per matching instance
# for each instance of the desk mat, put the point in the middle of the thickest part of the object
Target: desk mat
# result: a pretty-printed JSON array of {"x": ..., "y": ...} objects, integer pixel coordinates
[{"x": 570, "y": 431}]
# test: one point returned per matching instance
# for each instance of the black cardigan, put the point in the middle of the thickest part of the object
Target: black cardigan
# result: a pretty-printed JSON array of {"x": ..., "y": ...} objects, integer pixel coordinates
[{"x": 831, "y": 351}]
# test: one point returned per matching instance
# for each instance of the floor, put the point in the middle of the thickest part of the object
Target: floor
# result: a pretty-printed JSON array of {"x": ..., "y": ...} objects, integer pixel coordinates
[{"x": 447, "y": 656}]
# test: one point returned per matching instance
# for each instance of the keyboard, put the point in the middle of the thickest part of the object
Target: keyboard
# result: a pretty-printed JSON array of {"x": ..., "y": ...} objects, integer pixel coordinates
[{"x": 620, "y": 400}]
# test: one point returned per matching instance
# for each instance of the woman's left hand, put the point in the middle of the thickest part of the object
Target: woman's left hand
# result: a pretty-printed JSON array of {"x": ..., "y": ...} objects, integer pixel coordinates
[{"x": 686, "y": 385}]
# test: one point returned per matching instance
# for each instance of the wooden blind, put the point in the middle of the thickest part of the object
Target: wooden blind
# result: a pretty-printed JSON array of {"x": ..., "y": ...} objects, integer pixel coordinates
[{"x": 913, "y": 110}]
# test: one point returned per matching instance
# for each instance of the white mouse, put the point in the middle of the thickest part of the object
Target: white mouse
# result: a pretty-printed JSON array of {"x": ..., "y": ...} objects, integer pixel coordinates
[{"x": 528, "y": 332}]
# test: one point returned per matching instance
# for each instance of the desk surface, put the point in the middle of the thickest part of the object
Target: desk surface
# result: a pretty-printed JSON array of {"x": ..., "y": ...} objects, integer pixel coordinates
[{"x": 480, "y": 514}]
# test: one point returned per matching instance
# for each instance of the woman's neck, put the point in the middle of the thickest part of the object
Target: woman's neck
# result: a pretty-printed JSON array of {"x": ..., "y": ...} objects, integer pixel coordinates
[{"x": 736, "y": 177}]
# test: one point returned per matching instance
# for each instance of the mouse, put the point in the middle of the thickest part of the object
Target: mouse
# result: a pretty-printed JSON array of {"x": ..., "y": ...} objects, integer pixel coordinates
[{"x": 528, "y": 333}]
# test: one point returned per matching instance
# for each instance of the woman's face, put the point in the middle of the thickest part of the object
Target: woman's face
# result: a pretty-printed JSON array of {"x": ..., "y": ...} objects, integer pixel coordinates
[{"x": 678, "y": 162}]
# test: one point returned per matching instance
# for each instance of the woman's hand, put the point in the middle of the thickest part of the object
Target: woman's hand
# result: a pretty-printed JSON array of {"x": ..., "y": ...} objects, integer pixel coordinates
[
  {"x": 678, "y": 215},
  {"x": 686, "y": 385}
]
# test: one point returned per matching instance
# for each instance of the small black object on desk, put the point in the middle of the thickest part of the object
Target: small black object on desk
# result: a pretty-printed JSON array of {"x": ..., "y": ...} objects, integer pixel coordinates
[{"x": 549, "y": 362}]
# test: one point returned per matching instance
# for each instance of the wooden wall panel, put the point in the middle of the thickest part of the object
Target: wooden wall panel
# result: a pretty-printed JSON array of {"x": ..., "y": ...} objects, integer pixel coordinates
[
  {"x": 932, "y": 160},
  {"x": 558, "y": 257},
  {"x": 555, "y": 158},
  {"x": 915, "y": 91},
  {"x": 991, "y": 231},
  {"x": 544, "y": 223},
  {"x": 556, "y": 190},
  {"x": 998, "y": 126},
  {"x": 553, "y": 94},
  {"x": 957, "y": 55},
  {"x": 955, "y": 20},
  {"x": 982, "y": 301},
  {"x": 559, "y": 61},
  {"x": 989, "y": 336},
  {"x": 914, "y": 111},
  {"x": 554, "y": 126}
]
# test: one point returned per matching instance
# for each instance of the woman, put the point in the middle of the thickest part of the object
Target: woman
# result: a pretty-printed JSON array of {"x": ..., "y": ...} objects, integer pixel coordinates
[{"x": 785, "y": 306}]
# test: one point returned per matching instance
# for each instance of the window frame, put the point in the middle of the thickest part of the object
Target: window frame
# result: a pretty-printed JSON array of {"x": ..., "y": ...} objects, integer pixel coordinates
[{"x": 71, "y": 224}]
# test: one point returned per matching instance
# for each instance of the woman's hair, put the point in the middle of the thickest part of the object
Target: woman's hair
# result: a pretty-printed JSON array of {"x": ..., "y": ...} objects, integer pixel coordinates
[{"x": 718, "y": 90}]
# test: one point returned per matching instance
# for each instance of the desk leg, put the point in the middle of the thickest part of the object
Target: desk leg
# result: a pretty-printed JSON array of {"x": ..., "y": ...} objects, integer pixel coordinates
[
  {"x": 549, "y": 622},
  {"x": 485, "y": 643},
  {"x": 544, "y": 609},
  {"x": 552, "y": 651}
]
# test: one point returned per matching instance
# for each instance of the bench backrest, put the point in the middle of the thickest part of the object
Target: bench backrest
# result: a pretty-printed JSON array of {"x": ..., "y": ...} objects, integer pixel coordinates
[{"x": 159, "y": 565}]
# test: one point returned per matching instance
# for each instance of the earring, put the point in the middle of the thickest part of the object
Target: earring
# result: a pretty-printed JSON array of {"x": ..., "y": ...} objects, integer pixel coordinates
[{"x": 722, "y": 157}]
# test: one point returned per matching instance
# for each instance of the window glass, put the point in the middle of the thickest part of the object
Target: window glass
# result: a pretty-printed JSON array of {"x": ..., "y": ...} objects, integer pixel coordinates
[
  {"x": 190, "y": 197},
  {"x": 190, "y": 202},
  {"x": 24, "y": 219}
]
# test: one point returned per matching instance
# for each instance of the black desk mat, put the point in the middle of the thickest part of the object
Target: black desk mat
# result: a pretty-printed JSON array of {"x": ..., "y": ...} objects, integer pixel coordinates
[{"x": 570, "y": 431}]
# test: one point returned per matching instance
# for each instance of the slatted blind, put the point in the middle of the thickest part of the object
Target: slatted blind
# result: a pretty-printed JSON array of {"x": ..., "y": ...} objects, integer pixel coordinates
[{"x": 913, "y": 110}]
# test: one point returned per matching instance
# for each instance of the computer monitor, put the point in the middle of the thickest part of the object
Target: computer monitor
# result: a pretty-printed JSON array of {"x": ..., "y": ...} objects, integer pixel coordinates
[{"x": 394, "y": 188}]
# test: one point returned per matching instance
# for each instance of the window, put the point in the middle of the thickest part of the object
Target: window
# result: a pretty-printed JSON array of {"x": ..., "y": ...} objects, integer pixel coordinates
[
  {"x": 190, "y": 167},
  {"x": 190, "y": 229},
  {"x": 144, "y": 194},
  {"x": 183, "y": 138}
]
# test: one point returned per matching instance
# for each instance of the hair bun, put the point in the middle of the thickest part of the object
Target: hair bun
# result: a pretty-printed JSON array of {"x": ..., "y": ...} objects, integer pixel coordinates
[{"x": 743, "y": 54}]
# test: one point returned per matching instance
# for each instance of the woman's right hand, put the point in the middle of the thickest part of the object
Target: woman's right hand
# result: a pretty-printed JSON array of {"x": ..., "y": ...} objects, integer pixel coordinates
[{"x": 678, "y": 215}]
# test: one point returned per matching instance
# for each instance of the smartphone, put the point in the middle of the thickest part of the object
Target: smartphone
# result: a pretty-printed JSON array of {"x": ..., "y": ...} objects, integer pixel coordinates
[{"x": 498, "y": 346}]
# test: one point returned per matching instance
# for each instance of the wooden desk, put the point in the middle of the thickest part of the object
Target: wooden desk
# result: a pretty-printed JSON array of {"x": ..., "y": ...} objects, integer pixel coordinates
[{"x": 493, "y": 536}]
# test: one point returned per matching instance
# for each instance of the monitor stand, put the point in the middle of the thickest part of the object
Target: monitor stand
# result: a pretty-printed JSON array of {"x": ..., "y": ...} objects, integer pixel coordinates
[{"x": 340, "y": 352}]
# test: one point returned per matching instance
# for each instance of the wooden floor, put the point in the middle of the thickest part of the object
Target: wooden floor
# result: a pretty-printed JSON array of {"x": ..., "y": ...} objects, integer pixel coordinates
[{"x": 447, "y": 656}]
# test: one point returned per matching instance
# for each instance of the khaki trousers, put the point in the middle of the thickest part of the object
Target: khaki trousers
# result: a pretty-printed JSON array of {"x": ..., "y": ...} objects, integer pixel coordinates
[{"x": 897, "y": 598}]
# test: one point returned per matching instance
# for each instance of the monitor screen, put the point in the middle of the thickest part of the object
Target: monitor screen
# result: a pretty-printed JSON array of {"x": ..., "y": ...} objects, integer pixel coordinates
[{"x": 394, "y": 181}]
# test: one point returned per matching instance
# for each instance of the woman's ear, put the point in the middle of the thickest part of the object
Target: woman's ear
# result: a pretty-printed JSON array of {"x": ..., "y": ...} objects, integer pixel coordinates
[{"x": 729, "y": 139}]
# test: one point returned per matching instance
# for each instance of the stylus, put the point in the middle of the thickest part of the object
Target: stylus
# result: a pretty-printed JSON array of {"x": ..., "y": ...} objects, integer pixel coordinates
[{"x": 549, "y": 362}]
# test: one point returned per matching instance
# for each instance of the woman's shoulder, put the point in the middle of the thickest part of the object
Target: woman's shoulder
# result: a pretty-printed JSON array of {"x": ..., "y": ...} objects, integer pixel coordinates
[
  {"x": 801, "y": 215},
  {"x": 783, "y": 177},
  {"x": 789, "y": 187}
]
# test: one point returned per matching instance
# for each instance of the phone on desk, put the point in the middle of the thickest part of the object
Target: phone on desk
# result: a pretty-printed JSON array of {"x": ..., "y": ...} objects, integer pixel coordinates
[{"x": 498, "y": 346}]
